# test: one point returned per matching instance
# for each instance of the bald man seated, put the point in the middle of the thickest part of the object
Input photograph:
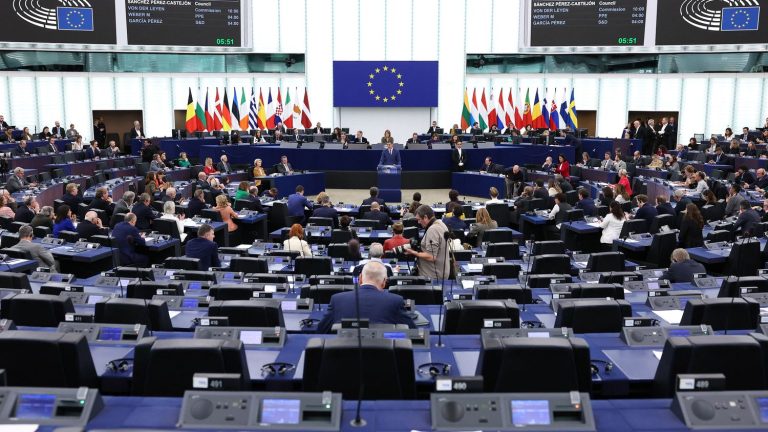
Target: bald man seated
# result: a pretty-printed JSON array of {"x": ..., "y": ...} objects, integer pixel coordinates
[
  {"x": 89, "y": 226},
  {"x": 376, "y": 304}
]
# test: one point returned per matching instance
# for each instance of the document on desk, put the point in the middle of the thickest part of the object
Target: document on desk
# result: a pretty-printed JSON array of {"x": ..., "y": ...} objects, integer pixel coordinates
[
  {"x": 19, "y": 428},
  {"x": 467, "y": 283},
  {"x": 189, "y": 223},
  {"x": 243, "y": 246},
  {"x": 629, "y": 240},
  {"x": 671, "y": 316},
  {"x": 475, "y": 267},
  {"x": 657, "y": 354},
  {"x": 173, "y": 314},
  {"x": 594, "y": 224}
]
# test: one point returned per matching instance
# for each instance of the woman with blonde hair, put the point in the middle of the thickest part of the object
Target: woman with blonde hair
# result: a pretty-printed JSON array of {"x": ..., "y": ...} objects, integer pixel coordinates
[
  {"x": 258, "y": 171},
  {"x": 483, "y": 224},
  {"x": 228, "y": 216},
  {"x": 319, "y": 199},
  {"x": 553, "y": 188},
  {"x": 296, "y": 242},
  {"x": 209, "y": 169},
  {"x": 621, "y": 194}
]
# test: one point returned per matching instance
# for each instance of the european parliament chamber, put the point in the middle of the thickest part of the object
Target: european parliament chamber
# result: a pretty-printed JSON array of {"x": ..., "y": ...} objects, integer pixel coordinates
[{"x": 490, "y": 215}]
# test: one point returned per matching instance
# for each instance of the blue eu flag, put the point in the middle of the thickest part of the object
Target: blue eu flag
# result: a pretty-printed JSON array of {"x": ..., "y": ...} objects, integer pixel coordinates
[
  {"x": 385, "y": 83},
  {"x": 75, "y": 18},
  {"x": 740, "y": 18}
]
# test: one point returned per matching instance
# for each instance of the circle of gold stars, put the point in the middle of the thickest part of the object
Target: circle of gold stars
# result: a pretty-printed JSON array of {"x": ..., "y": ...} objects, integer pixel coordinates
[
  {"x": 78, "y": 15},
  {"x": 378, "y": 72},
  {"x": 742, "y": 25}
]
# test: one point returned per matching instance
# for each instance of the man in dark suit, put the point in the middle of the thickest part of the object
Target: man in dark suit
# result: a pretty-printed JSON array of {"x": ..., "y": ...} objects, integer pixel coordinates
[
  {"x": 90, "y": 226},
  {"x": 663, "y": 207},
  {"x": 645, "y": 211},
  {"x": 488, "y": 166},
  {"x": 374, "y": 192},
  {"x": 682, "y": 267},
  {"x": 21, "y": 149},
  {"x": 71, "y": 196},
  {"x": 670, "y": 134},
  {"x": 326, "y": 210},
  {"x": 144, "y": 212},
  {"x": 414, "y": 139},
  {"x": 204, "y": 248},
  {"x": 318, "y": 129},
  {"x": 359, "y": 138},
  {"x": 17, "y": 181},
  {"x": 101, "y": 200},
  {"x": 27, "y": 210},
  {"x": 681, "y": 200},
  {"x": 747, "y": 221},
  {"x": 458, "y": 158},
  {"x": 223, "y": 166},
  {"x": 196, "y": 204},
  {"x": 744, "y": 177},
  {"x": 127, "y": 238},
  {"x": 540, "y": 191},
  {"x": 137, "y": 132},
  {"x": 284, "y": 167},
  {"x": 280, "y": 127},
  {"x": 433, "y": 129},
  {"x": 202, "y": 181},
  {"x": 390, "y": 156},
  {"x": 586, "y": 203},
  {"x": 93, "y": 151},
  {"x": 719, "y": 158},
  {"x": 744, "y": 137},
  {"x": 376, "y": 304},
  {"x": 377, "y": 215},
  {"x": 148, "y": 151},
  {"x": 255, "y": 202},
  {"x": 57, "y": 131},
  {"x": 297, "y": 202},
  {"x": 761, "y": 182}
]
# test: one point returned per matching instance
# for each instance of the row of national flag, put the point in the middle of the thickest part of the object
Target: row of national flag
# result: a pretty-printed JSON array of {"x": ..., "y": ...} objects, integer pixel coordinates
[
  {"x": 213, "y": 113},
  {"x": 503, "y": 111}
]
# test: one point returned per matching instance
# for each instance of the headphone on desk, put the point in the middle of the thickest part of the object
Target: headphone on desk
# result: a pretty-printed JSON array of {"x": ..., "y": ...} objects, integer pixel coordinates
[
  {"x": 120, "y": 365},
  {"x": 434, "y": 370},
  {"x": 595, "y": 369},
  {"x": 276, "y": 368}
]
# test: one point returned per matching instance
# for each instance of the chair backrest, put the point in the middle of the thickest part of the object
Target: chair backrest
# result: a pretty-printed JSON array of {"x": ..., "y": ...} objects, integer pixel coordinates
[
  {"x": 507, "y": 250},
  {"x": 241, "y": 204},
  {"x": 37, "y": 310},
  {"x": 340, "y": 236},
  {"x": 548, "y": 247},
  {"x": 185, "y": 357},
  {"x": 502, "y": 270},
  {"x": 504, "y": 292},
  {"x": 321, "y": 294},
  {"x": 211, "y": 214},
  {"x": 719, "y": 236},
  {"x": 745, "y": 258},
  {"x": 167, "y": 226},
  {"x": 614, "y": 291},
  {"x": 593, "y": 316},
  {"x": 500, "y": 213},
  {"x": 152, "y": 313},
  {"x": 410, "y": 232},
  {"x": 47, "y": 359},
  {"x": 573, "y": 215},
  {"x": 16, "y": 253},
  {"x": 182, "y": 263},
  {"x": 249, "y": 265},
  {"x": 740, "y": 358},
  {"x": 116, "y": 219},
  {"x": 497, "y": 236},
  {"x": 660, "y": 221},
  {"x": 321, "y": 221},
  {"x": 421, "y": 294},
  {"x": 606, "y": 262},
  {"x": 551, "y": 263},
  {"x": 14, "y": 226},
  {"x": 309, "y": 266},
  {"x": 366, "y": 223},
  {"x": 633, "y": 226},
  {"x": 334, "y": 365},
  {"x": 15, "y": 281},
  {"x": 69, "y": 236},
  {"x": 504, "y": 364},
  {"x": 42, "y": 231},
  {"x": 723, "y": 313},
  {"x": 467, "y": 316},
  {"x": 660, "y": 251},
  {"x": 249, "y": 313}
]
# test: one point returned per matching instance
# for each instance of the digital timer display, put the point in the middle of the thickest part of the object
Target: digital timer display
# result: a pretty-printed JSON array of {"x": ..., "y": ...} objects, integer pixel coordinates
[
  {"x": 207, "y": 23},
  {"x": 587, "y": 23}
]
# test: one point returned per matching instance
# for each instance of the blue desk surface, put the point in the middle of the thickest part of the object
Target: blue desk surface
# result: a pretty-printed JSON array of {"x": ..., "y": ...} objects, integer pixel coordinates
[
  {"x": 390, "y": 416},
  {"x": 364, "y": 160}
]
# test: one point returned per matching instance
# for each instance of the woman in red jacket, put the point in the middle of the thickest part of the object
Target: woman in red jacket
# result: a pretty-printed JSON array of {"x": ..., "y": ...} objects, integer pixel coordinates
[
  {"x": 624, "y": 181},
  {"x": 563, "y": 167}
]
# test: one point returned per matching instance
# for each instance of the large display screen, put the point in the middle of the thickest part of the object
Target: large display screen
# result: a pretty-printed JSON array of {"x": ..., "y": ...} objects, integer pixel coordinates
[
  {"x": 184, "y": 23},
  {"x": 711, "y": 22},
  {"x": 128, "y": 23},
  {"x": 588, "y": 23},
  {"x": 59, "y": 21}
]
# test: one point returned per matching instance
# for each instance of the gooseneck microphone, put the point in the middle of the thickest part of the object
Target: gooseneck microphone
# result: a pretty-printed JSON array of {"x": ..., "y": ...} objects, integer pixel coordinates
[
  {"x": 526, "y": 286},
  {"x": 358, "y": 421}
]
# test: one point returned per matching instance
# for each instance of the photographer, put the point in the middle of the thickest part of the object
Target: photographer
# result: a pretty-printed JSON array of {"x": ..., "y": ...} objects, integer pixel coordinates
[{"x": 433, "y": 258}]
